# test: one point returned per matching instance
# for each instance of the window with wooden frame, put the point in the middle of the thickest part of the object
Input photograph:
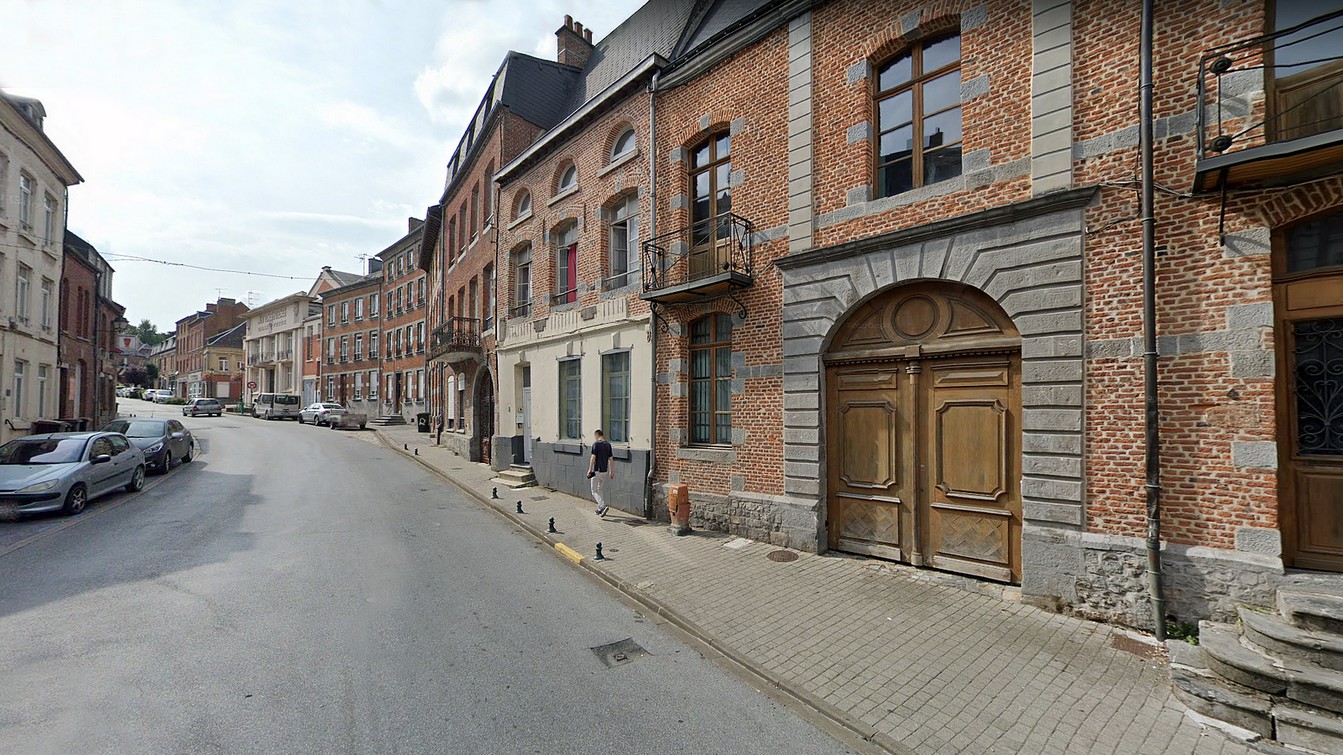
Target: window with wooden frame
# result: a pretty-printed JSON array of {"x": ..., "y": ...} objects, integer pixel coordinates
[
  {"x": 522, "y": 282},
  {"x": 711, "y": 197},
  {"x": 711, "y": 380},
  {"x": 566, "y": 264},
  {"x": 623, "y": 249},
  {"x": 917, "y": 103},
  {"x": 571, "y": 399}
]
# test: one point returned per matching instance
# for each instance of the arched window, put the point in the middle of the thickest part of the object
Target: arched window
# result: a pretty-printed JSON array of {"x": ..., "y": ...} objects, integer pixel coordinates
[
  {"x": 624, "y": 144},
  {"x": 918, "y": 105},
  {"x": 711, "y": 380},
  {"x": 568, "y": 179},
  {"x": 524, "y": 204}
]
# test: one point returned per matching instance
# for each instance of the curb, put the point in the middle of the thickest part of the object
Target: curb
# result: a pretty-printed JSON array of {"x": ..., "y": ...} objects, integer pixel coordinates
[{"x": 830, "y": 713}]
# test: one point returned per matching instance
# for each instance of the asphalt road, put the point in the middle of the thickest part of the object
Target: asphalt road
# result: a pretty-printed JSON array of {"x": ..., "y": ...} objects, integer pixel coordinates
[{"x": 304, "y": 590}]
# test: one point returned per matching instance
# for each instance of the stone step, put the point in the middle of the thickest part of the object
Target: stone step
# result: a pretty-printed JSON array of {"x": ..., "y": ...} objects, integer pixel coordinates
[
  {"x": 1302, "y": 681},
  {"x": 516, "y": 477},
  {"x": 1277, "y": 637},
  {"x": 1311, "y": 610},
  {"x": 1224, "y": 700},
  {"x": 1308, "y": 729}
]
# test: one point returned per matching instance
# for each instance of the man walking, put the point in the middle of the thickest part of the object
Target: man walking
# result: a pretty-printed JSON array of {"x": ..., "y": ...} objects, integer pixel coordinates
[{"x": 600, "y": 469}]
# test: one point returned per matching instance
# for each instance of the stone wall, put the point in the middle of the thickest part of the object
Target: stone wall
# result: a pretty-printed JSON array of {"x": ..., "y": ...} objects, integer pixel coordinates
[{"x": 564, "y": 467}]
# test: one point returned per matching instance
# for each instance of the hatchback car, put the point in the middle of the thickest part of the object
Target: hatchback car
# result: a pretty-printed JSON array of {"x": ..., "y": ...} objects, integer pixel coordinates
[
  {"x": 203, "y": 406},
  {"x": 317, "y": 413},
  {"x": 161, "y": 440},
  {"x": 64, "y": 471}
]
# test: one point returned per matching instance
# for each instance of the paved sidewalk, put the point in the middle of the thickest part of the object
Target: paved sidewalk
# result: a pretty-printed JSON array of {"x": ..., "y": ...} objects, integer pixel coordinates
[{"x": 908, "y": 658}]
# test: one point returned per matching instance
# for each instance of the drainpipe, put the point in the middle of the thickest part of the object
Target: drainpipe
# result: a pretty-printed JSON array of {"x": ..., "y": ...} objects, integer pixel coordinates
[
  {"x": 1152, "y": 438},
  {"x": 652, "y": 320}
]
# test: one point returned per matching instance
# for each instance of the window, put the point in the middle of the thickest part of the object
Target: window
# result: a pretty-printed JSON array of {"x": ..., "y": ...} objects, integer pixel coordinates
[
  {"x": 452, "y": 401},
  {"x": 624, "y": 144},
  {"x": 47, "y": 287},
  {"x": 22, "y": 286},
  {"x": 223, "y": 364},
  {"x": 25, "y": 202},
  {"x": 918, "y": 106},
  {"x": 373, "y": 344},
  {"x": 616, "y": 396},
  {"x": 330, "y": 350},
  {"x": 419, "y": 335},
  {"x": 4, "y": 181},
  {"x": 568, "y": 179},
  {"x": 359, "y": 308},
  {"x": 358, "y": 386},
  {"x": 489, "y": 194},
  {"x": 1316, "y": 244},
  {"x": 571, "y": 399},
  {"x": 711, "y": 380},
  {"x": 372, "y": 385},
  {"x": 711, "y": 189},
  {"x": 487, "y": 298},
  {"x": 345, "y": 311},
  {"x": 419, "y": 384},
  {"x": 475, "y": 207},
  {"x": 522, "y": 275},
  {"x": 461, "y": 404},
  {"x": 330, "y": 388},
  {"x": 42, "y": 371},
  {"x": 48, "y": 219},
  {"x": 566, "y": 265},
  {"x": 524, "y": 204},
  {"x": 624, "y": 255},
  {"x": 358, "y": 346},
  {"x": 331, "y": 315},
  {"x": 19, "y": 369},
  {"x": 372, "y": 305}
]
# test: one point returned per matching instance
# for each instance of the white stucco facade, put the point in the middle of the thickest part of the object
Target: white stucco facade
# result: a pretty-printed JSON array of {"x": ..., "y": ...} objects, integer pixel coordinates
[{"x": 274, "y": 346}]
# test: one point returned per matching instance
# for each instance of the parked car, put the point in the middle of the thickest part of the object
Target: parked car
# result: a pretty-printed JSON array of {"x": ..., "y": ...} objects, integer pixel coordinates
[
  {"x": 135, "y": 392},
  {"x": 64, "y": 471},
  {"x": 276, "y": 406},
  {"x": 203, "y": 406},
  {"x": 316, "y": 413},
  {"x": 161, "y": 395},
  {"x": 161, "y": 440},
  {"x": 344, "y": 419}
]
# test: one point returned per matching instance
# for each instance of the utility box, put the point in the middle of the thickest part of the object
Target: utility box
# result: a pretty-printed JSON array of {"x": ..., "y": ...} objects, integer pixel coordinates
[
  {"x": 678, "y": 505},
  {"x": 422, "y": 422}
]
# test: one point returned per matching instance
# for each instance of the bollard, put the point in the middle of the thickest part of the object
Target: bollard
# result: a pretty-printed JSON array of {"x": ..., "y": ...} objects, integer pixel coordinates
[
  {"x": 551, "y": 526},
  {"x": 520, "y": 511},
  {"x": 599, "y": 557},
  {"x": 494, "y": 494},
  {"x": 405, "y": 447},
  {"x": 417, "y": 452}
]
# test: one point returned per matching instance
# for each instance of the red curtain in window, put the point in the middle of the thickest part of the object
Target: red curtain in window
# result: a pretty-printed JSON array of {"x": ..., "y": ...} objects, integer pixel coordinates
[{"x": 570, "y": 282}]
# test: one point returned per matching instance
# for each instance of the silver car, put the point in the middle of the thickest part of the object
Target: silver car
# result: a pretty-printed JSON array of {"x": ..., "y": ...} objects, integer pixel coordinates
[
  {"x": 64, "y": 471},
  {"x": 317, "y": 413}
]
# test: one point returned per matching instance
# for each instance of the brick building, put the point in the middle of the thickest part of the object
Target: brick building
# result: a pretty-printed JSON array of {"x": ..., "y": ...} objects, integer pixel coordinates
[
  {"x": 164, "y": 357},
  {"x": 404, "y": 331},
  {"x": 82, "y": 358},
  {"x": 350, "y": 364},
  {"x": 193, "y": 333},
  {"x": 894, "y": 263},
  {"x": 223, "y": 362}
]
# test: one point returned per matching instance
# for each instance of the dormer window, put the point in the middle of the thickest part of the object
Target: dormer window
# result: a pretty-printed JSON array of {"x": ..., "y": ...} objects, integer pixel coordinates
[
  {"x": 624, "y": 144},
  {"x": 568, "y": 179}
]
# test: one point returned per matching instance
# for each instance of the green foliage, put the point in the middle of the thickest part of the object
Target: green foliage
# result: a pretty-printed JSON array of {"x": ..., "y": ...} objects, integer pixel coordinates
[
  {"x": 152, "y": 371},
  {"x": 136, "y": 376},
  {"x": 148, "y": 333},
  {"x": 1186, "y": 631}
]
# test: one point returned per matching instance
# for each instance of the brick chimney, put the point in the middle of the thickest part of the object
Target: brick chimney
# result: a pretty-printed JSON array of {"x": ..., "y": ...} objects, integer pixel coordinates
[{"x": 573, "y": 43}]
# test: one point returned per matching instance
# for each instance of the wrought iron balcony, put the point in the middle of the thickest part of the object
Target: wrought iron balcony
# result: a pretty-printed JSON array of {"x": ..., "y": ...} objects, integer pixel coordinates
[
  {"x": 701, "y": 261},
  {"x": 1272, "y": 107},
  {"x": 456, "y": 341}
]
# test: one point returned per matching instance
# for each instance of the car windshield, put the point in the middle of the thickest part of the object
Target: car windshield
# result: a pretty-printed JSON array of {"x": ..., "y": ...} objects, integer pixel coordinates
[
  {"x": 286, "y": 400},
  {"x": 137, "y": 428},
  {"x": 45, "y": 451}
]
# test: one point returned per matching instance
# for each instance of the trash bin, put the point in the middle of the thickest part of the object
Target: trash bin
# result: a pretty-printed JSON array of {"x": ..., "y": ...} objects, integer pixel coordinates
[
  {"x": 422, "y": 422},
  {"x": 43, "y": 426}
]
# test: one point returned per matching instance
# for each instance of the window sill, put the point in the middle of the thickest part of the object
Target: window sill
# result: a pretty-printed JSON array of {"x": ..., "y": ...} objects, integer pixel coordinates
[
  {"x": 519, "y": 220},
  {"x": 618, "y": 163},
  {"x": 563, "y": 195}
]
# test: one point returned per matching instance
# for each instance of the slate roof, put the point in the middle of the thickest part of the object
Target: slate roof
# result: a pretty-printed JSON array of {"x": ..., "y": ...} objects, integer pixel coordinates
[
  {"x": 231, "y": 338},
  {"x": 342, "y": 278},
  {"x": 719, "y": 16},
  {"x": 653, "y": 29}
]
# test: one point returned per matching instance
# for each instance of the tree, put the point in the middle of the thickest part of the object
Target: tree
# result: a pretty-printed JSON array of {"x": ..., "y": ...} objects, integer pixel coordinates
[
  {"x": 136, "y": 376},
  {"x": 148, "y": 333},
  {"x": 152, "y": 372}
]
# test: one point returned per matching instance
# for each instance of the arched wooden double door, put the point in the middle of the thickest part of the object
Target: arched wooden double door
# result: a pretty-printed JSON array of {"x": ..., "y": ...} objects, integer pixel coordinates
[{"x": 923, "y": 428}]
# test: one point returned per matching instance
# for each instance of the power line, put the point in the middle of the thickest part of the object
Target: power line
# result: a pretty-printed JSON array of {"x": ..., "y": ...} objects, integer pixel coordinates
[{"x": 116, "y": 257}]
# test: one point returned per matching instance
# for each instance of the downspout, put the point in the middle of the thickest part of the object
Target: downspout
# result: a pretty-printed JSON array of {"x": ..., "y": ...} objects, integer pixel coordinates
[
  {"x": 652, "y": 320},
  {"x": 1152, "y": 439},
  {"x": 97, "y": 352},
  {"x": 494, "y": 298}
]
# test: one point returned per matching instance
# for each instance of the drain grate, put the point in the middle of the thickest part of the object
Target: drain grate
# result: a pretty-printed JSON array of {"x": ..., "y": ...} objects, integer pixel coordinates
[
  {"x": 781, "y": 556},
  {"x": 619, "y": 653}
]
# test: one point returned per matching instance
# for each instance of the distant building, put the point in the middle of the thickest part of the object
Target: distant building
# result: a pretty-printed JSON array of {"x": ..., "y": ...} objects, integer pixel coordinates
[
  {"x": 193, "y": 332},
  {"x": 271, "y": 345},
  {"x": 90, "y": 353}
]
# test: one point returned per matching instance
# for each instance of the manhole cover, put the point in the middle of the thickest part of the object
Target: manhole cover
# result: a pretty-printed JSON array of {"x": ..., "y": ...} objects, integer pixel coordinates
[
  {"x": 781, "y": 556},
  {"x": 619, "y": 653}
]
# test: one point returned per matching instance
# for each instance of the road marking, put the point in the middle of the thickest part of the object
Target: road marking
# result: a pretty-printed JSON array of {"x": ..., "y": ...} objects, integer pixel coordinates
[{"x": 569, "y": 553}]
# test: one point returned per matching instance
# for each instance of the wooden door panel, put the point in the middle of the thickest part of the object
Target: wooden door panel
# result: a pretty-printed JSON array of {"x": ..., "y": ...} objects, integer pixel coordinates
[
  {"x": 867, "y": 507},
  {"x": 1312, "y": 477},
  {"x": 869, "y": 432},
  {"x": 1319, "y": 506},
  {"x": 869, "y": 524},
  {"x": 971, "y": 457}
]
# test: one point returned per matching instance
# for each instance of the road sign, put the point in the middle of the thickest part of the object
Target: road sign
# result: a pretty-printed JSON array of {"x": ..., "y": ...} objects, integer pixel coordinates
[{"x": 252, "y": 385}]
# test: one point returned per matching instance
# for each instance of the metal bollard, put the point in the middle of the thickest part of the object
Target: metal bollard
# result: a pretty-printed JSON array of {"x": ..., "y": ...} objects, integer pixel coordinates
[
  {"x": 494, "y": 494},
  {"x": 520, "y": 511},
  {"x": 551, "y": 526},
  {"x": 599, "y": 557}
]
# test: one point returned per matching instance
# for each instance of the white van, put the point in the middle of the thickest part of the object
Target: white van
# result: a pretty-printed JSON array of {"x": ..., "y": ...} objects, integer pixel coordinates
[{"x": 276, "y": 406}]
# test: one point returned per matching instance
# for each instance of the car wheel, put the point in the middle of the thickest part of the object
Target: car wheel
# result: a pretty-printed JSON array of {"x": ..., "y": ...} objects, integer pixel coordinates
[
  {"x": 75, "y": 500},
  {"x": 190, "y": 454},
  {"x": 300, "y": 419},
  {"x": 137, "y": 482},
  {"x": 167, "y": 462}
]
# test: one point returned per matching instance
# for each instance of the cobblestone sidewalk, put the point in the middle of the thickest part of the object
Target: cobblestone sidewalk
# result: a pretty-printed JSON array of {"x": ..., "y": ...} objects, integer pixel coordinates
[{"x": 909, "y": 658}]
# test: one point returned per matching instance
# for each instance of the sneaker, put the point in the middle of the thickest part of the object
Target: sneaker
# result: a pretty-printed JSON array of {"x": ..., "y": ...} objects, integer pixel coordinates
[{"x": 601, "y": 511}]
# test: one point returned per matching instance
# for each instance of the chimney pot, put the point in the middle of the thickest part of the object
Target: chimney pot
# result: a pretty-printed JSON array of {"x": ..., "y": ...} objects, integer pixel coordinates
[
  {"x": 578, "y": 28},
  {"x": 587, "y": 36},
  {"x": 568, "y": 21}
]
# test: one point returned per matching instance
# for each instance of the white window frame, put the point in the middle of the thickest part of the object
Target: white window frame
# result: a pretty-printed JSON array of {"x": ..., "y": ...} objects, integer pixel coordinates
[
  {"x": 358, "y": 386},
  {"x": 372, "y": 306},
  {"x": 373, "y": 344},
  {"x": 4, "y": 182},
  {"x": 359, "y": 309},
  {"x": 452, "y": 399},
  {"x": 25, "y": 202},
  {"x": 345, "y": 311},
  {"x": 358, "y": 347},
  {"x": 20, "y": 370},
  {"x": 48, "y": 219},
  {"x": 633, "y": 144},
  {"x": 372, "y": 385},
  {"x": 22, "y": 288},
  {"x": 568, "y": 179},
  {"x": 48, "y": 286},
  {"x": 624, "y": 226},
  {"x": 42, "y": 373}
]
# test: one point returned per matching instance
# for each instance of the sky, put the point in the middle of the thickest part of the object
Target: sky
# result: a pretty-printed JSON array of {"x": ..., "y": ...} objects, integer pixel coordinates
[{"x": 260, "y": 136}]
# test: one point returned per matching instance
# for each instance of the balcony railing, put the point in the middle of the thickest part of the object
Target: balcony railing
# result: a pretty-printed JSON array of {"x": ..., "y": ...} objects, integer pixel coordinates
[
  {"x": 700, "y": 261},
  {"x": 456, "y": 340},
  {"x": 522, "y": 310},
  {"x": 1272, "y": 106}
]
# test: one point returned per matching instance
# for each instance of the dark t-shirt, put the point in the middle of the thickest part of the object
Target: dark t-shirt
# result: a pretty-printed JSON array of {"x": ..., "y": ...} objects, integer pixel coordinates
[{"x": 602, "y": 450}]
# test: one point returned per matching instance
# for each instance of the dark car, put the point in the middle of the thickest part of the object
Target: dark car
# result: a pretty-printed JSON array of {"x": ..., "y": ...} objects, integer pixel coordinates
[
  {"x": 64, "y": 471},
  {"x": 161, "y": 440},
  {"x": 203, "y": 406}
]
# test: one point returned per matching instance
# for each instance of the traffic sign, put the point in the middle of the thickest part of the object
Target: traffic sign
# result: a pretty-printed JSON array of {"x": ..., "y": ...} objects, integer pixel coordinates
[{"x": 252, "y": 385}]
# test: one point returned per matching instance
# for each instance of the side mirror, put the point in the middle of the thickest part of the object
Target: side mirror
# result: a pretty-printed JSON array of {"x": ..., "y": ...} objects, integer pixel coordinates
[
  {"x": 178, "y": 436},
  {"x": 100, "y": 459}
]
